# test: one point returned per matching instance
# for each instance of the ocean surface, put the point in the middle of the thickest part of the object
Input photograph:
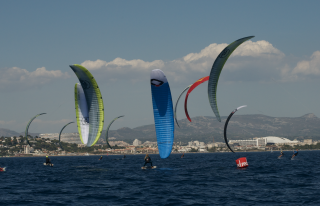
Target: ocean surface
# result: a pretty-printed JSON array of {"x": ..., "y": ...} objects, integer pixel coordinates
[{"x": 196, "y": 179}]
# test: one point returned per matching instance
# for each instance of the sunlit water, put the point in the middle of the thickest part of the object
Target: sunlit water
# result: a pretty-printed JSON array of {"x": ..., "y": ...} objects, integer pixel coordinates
[{"x": 197, "y": 179}]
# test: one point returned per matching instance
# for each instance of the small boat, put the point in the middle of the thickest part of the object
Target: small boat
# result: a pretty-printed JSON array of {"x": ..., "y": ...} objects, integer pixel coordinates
[{"x": 86, "y": 154}]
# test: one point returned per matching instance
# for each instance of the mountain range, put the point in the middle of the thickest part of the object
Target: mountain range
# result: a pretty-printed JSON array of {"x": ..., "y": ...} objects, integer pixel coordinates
[{"x": 208, "y": 129}]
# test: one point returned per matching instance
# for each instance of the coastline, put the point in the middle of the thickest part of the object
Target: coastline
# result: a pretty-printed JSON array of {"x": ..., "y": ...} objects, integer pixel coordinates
[{"x": 129, "y": 154}]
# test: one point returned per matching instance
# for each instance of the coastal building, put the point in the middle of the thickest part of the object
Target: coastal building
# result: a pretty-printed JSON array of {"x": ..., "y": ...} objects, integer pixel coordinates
[
  {"x": 202, "y": 150},
  {"x": 263, "y": 141},
  {"x": 219, "y": 144},
  {"x": 196, "y": 144},
  {"x": 307, "y": 141},
  {"x": 118, "y": 143},
  {"x": 26, "y": 149},
  {"x": 65, "y": 137},
  {"x": 279, "y": 140},
  {"x": 136, "y": 142},
  {"x": 149, "y": 144},
  {"x": 184, "y": 149},
  {"x": 256, "y": 142}
]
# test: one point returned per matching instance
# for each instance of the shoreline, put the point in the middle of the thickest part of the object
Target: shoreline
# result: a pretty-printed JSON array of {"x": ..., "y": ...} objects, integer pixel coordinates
[{"x": 105, "y": 154}]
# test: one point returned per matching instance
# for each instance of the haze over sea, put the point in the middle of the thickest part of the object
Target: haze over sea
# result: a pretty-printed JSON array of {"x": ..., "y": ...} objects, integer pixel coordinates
[{"x": 197, "y": 179}]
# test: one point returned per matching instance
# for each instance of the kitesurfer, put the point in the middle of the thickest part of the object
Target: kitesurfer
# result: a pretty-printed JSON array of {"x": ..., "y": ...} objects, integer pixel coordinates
[
  {"x": 147, "y": 160},
  {"x": 281, "y": 154},
  {"x": 48, "y": 161},
  {"x": 295, "y": 153},
  {"x": 100, "y": 158},
  {"x": 124, "y": 156},
  {"x": 182, "y": 156}
]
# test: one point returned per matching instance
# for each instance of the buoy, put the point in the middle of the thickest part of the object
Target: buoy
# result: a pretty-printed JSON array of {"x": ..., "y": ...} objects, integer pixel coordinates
[{"x": 242, "y": 162}]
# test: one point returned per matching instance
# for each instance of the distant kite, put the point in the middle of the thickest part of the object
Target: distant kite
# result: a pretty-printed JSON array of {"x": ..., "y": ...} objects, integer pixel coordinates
[
  {"x": 216, "y": 70},
  {"x": 107, "y": 131},
  {"x": 27, "y": 128},
  {"x": 61, "y": 132},
  {"x": 226, "y": 125},
  {"x": 194, "y": 85},
  {"x": 175, "y": 107}
]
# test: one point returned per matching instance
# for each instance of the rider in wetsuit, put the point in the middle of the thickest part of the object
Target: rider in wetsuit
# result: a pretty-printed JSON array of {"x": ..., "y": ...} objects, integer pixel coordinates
[
  {"x": 48, "y": 161},
  {"x": 281, "y": 154},
  {"x": 295, "y": 153},
  {"x": 147, "y": 160},
  {"x": 100, "y": 158}
]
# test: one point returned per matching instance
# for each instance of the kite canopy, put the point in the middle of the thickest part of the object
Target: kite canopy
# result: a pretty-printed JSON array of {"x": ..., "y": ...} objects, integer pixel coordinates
[
  {"x": 194, "y": 85},
  {"x": 162, "y": 111},
  {"x": 107, "y": 131},
  {"x": 27, "y": 128},
  {"x": 82, "y": 113},
  {"x": 61, "y": 132},
  {"x": 216, "y": 70},
  {"x": 175, "y": 107},
  {"x": 89, "y": 106},
  {"x": 226, "y": 125}
]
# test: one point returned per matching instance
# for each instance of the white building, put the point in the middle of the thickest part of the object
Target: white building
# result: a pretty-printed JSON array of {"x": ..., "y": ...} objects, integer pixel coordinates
[
  {"x": 27, "y": 149},
  {"x": 136, "y": 142},
  {"x": 263, "y": 141},
  {"x": 279, "y": 140},
  {"x": 307, "y": 141},
  {"x": 196, "y": 144},
  {"x": 118, "y": 143},
  {"x": 149, "y": 144},
  {"x": 257, "y": 142},
  {"x": 184, "y": 149},
  {"x": 202, "y": 150}
]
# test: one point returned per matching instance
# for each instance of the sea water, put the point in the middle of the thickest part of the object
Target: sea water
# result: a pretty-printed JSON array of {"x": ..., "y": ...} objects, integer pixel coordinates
[{"x": 196, "y": 179}]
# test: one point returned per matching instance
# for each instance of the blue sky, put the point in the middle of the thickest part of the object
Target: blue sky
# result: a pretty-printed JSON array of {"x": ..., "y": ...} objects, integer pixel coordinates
[{"x": 120, "y": 42}]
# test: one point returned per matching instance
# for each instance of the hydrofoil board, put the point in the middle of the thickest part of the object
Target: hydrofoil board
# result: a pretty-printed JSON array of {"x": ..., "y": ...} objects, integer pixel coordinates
[
  {"x": 148, "y": 167},
  {"x": 47, "y": 164}
]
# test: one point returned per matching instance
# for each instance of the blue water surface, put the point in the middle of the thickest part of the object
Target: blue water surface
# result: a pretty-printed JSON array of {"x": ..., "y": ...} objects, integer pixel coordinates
[{"x": 196, "y": 179}]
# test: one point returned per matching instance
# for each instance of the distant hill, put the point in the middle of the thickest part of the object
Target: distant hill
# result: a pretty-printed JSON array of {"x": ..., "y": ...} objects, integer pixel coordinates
[
  {"x": 8, "y": 133},
  {"x": 204, "y": 128},
  {"x": 31, "y": 134}
]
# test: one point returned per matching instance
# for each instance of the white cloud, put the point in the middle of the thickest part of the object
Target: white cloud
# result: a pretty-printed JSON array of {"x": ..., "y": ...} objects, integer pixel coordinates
[
  {"x": 311, "y": 67},
  {"x": 14, "y": 78},
  {"x": 250, "y": 57},
  {"x": 119, "y": 63},
  {"x": 248, "y": 48},
  {"x": 304, "y": 70},
  {"x": 258, "y": 49},
  {"x": 251, "y": 61}
]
